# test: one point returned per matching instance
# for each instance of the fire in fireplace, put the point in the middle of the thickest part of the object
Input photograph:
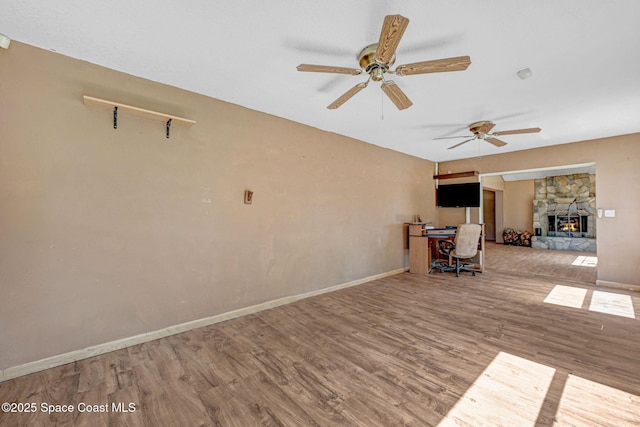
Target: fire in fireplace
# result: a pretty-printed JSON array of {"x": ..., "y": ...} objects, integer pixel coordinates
[{"x": 568, "y": 225}]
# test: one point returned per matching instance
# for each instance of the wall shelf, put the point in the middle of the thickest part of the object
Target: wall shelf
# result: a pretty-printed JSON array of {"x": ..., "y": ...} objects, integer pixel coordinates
[
  {"x": 136, "y": 111},
  {"x": 456, "y": 175}
]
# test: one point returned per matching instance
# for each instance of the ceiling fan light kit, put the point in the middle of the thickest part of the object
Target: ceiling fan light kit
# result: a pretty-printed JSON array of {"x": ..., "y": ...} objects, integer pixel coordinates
[{"x": 377, "y": 59}]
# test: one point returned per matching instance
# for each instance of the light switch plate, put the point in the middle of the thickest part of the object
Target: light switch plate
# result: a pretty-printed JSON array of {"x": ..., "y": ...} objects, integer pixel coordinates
[
  {"x": 610, "y": 213},
  {"x": 248, "y": 197}
]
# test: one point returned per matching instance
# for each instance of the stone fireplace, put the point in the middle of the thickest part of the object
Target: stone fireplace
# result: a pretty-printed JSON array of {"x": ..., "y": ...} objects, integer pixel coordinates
[{"x": 564, "y": 210}]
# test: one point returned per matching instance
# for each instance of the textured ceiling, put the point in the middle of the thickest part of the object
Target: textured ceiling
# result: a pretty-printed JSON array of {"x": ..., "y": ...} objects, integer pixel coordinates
[{"x": 584, "y": 54}]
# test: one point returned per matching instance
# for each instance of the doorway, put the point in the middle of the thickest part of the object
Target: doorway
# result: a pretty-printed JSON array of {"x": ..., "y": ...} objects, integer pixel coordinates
[{"x": 489, "y": 214}]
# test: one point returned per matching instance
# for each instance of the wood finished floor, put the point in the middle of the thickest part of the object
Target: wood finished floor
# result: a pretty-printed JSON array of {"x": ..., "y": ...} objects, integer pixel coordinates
[
  {"x": 542, "y": 262},
  {"x": 404, "y": 350}
]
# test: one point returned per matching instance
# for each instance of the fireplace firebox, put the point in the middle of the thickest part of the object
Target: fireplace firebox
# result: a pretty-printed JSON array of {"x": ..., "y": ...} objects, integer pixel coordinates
[{"x": 573, "y": 225}]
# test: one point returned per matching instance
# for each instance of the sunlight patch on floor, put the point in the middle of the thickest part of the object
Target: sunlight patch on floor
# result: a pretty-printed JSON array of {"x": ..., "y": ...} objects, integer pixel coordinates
[
  {"x": 509, "y": 392},
  {"x": 568, "y": 296},
  {"x": 586, "y": 261},
  {"x": 588, "y": 403},
  {"x": 612, "y": 303}
]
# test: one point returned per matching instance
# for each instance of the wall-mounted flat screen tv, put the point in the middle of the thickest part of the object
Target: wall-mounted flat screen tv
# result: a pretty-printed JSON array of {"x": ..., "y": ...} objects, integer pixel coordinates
[{"x": 459, "y": 195}]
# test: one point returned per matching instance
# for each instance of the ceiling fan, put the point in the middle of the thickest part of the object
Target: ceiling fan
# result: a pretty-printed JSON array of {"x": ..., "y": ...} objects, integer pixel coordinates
[
  {"x": 482, "y": 130},
  {"x": 377, "y": 59}
]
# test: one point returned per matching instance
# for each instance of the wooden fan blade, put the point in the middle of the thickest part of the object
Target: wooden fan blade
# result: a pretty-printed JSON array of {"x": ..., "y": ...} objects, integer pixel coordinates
[
  {"x": 516, "y": 131},
  {"x": 396, "y": 95},
  {"x": 452, "y": 137},
  {"x": 488, "y": 126},
  {"x": 328, "y": 69},
  {"x": 437, "y": 66},
  {"x": 460, "y": 143},
  {"x": 347, "y": 95},
  {"x": 392, "y": 31},
  {"x": 496, "y": 142}
]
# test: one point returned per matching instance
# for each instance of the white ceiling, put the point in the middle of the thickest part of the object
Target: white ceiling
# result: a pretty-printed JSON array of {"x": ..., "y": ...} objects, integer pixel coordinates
[{"x": 584, "y": 54}]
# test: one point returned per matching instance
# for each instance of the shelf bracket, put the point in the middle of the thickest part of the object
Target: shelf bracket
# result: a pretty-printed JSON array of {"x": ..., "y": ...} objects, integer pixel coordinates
[
  {"x": 168, "y": 126},
  {"x": 115, "y": 117}
]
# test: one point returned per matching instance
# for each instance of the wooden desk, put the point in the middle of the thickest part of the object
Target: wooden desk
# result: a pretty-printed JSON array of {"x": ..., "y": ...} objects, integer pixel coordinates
[
  {"x": 422, "y": 244},
  {"x": 432, "y": 241},
  {"x": 421, "y": 241},
  {"x": 418, "y": 249}
]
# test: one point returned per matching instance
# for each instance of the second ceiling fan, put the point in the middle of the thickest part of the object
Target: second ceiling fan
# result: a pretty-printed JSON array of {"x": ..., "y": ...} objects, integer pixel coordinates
[
  {"x": 377, "y": 59},
  {"x": 482, "y": 130}
]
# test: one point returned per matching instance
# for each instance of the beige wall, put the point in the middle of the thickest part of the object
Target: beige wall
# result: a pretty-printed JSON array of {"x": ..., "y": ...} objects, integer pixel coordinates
[
  {"x": 110, "y": 233},
  {"x": 451, "y": 216},
  {"x": 493, "y": 182},
  {"x": 518, "y": 205},
  {"x": 617, "y": 187}
]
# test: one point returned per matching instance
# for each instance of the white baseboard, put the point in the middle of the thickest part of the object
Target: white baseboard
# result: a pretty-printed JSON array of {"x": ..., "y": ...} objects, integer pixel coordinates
[
  {"x": 72, "y": 356},
  {"x": 607, "y": 284}
]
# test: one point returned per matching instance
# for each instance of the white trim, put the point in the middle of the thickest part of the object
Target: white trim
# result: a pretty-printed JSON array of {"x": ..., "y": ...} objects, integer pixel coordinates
[
  {"x": 626, "y": 286},
  {"x": 72, "y": 356},
  {"x": 542, "y": 169}
]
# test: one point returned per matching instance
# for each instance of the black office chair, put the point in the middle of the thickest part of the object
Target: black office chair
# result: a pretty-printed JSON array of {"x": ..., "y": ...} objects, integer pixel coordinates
[{"x": 463, "y": 248}]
